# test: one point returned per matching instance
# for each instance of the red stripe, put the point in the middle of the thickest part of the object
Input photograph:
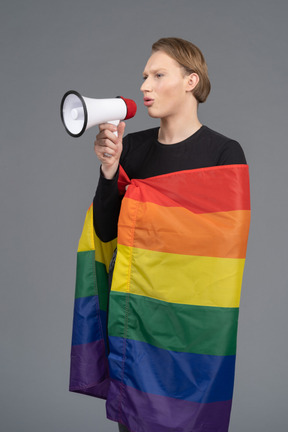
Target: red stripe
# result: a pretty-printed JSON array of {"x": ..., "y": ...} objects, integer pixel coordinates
[
  {"x": 203, "y": 190},
  {"x": 123, "y": 181}
]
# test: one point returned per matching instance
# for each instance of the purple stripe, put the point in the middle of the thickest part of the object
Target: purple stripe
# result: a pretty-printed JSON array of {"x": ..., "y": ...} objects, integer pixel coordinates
[
  {"x": 146, "y": 412},
  {"x": 89, "y": 369}
]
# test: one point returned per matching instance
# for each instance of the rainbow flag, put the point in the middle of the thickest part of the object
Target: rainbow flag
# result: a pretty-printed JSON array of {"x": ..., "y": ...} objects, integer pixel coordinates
[{"x": 174, "y": 302}]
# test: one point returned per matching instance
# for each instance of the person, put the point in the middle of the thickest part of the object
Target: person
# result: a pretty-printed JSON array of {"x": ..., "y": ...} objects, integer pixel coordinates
[
  {"x": 181, "y": 217},
  {"x": 175, "y": 83}
]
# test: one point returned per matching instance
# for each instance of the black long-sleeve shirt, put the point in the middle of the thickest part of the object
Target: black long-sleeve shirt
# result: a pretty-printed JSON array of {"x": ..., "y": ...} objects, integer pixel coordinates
[{"x": 144, "y": 156}]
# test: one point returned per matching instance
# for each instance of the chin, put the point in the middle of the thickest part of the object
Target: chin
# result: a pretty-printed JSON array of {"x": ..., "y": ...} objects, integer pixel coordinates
[{"x": 153, "y": 113}]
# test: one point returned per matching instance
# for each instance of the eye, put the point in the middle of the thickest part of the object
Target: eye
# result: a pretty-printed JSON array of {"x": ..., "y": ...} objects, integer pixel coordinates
[
  {"x": 144, "y": 77},
  {"x": 159, "y": 75}
]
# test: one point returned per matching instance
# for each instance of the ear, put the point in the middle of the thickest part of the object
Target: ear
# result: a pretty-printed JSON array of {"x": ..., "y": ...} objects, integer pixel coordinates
[{"x": 192, "y": 81}]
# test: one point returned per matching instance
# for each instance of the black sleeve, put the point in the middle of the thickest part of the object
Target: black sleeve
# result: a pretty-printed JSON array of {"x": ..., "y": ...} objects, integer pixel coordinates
[
  {"x": 106, "y": 208},
  {"x": 232, "y": 153},
  {"x": 107, "y": 202}
]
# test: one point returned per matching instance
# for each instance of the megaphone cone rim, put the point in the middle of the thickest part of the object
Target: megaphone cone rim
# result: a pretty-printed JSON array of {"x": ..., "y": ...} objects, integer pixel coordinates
[{"x": 85, "y": 113}]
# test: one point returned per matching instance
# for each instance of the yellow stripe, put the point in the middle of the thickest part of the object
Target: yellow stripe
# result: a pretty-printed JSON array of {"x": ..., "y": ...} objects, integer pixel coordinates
[
  {"x": 86, "y": 242},
  {"x": 186, "y": 279},
  {"x": 89, "y": 241}
]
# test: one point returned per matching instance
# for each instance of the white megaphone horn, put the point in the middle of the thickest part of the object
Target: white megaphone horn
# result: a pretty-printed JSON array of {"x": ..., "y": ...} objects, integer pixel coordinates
[{"x": 79, "y": 113}]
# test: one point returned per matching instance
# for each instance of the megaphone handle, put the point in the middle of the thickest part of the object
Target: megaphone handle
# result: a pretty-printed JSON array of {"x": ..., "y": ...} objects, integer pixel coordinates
[{"x": 116, "y": 123}]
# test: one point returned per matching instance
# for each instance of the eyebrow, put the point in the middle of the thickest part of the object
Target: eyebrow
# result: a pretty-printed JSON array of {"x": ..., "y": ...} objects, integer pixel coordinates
[{"x": 153, "y": 71}]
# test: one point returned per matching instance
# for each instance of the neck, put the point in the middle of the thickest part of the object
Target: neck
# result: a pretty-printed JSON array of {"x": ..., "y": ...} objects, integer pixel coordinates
[{"x": 178, "y": 128}]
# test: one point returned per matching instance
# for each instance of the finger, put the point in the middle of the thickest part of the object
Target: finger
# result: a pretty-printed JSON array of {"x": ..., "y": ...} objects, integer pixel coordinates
[
  {"x": 120, "y": 130},
  {"x": 107, "y": 155},
  {"x": 107, "y": 126},
  {"x": 107, "y": 135},
  {"x": 101, "y": 150},
  {"x": 100, "y": 143},
  {"x": 109, "y": 148},
  {"x": 106, "y": 142}
]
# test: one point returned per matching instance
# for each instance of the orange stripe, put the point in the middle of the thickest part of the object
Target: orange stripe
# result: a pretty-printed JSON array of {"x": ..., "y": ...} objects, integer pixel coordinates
[{"x": 177, "y": 230}]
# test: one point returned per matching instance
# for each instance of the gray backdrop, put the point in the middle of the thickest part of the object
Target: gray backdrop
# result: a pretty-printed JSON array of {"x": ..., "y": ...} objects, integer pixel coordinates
[{"x": 48, "y": 180}]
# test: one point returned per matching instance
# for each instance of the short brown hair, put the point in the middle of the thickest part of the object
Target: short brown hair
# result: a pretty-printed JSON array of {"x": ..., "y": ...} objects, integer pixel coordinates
[{"x": 191, "y": 59}]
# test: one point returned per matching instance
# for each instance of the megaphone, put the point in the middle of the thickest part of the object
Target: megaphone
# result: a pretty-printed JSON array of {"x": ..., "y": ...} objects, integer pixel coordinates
[{"x": 79, "y": 113}]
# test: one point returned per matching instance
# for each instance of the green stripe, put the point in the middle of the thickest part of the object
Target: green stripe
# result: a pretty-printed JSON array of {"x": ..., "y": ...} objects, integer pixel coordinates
[
  {"x": 102, "y": 284},
  {"x": 176, "y": 327},
  {"x": 91, "y": 278}
]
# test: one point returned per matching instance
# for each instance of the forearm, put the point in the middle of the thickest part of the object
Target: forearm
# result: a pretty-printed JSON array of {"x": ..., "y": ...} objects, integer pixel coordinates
[{"x": 106, "y": 208}]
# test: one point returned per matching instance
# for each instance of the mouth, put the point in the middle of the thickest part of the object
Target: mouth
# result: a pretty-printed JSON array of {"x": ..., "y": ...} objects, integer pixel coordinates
[{"x": 148, "y": 101}]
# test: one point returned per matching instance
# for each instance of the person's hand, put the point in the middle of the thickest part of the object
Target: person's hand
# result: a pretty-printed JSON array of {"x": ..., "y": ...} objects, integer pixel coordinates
[{"x": 108, "y": 147}]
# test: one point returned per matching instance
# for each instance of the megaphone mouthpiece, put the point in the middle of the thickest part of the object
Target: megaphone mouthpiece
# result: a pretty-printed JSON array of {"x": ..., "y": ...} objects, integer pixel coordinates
[
  {"x": 131, "y": 108},
  {"x": 79, "y": 113}
]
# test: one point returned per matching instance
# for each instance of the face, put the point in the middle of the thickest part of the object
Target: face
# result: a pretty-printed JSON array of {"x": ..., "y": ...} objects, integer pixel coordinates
[{"x": 165, "y": 86}]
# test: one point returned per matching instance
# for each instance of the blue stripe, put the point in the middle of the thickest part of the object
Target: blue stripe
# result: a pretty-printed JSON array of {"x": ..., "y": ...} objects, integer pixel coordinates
[
  {"x": 87, "y": 327},
  {"x": 192, "y": 377}
]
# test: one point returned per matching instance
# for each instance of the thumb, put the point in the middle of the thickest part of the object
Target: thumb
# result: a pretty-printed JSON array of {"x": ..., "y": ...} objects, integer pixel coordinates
[{"x": 120, "y": 130}]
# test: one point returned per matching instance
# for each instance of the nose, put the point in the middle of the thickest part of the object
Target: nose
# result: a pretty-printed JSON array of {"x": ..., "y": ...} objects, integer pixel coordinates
[{"x": 145, "y": 87}]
